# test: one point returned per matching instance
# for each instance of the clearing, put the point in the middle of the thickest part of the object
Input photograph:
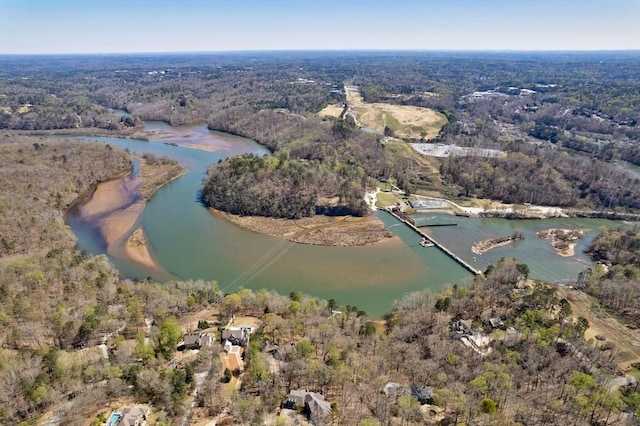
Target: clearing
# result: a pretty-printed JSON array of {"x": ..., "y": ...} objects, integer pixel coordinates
[
  {"x": 334, "y": 110},
  {"x": 407, "y": 122},
  {"x": 626, "y": 340}
]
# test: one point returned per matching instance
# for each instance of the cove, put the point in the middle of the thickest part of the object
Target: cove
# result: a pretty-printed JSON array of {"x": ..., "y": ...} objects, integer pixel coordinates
[{"x": 191, "y": 243}]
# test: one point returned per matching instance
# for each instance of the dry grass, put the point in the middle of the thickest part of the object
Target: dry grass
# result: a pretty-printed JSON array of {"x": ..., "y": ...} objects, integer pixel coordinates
[
  {"x": 319, "y": 230},
  {"x": 189, "y": 322},
  {"x": 385, "y": 199},
  {"x": 24, "y": 108},
  {"x": 331, "y": 111},
  {"x": 408, "y": 122},
  {"x": 246, "y": 322}
]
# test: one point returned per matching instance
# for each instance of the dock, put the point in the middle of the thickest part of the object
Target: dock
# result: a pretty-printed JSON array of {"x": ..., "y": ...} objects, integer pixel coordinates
[
  {"x": 435, "y": 243},
  {"x": 436, "y": 224}
]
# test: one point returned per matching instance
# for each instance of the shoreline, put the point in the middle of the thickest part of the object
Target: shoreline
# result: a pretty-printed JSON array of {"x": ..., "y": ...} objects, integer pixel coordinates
[
  {"x": 116, "y": 204},
  {"x": 137, "y": 250},
  {"x": 333, "y": 231},
  {"x": 563, "y": 240},
  {"x": 484, "y": 246}
]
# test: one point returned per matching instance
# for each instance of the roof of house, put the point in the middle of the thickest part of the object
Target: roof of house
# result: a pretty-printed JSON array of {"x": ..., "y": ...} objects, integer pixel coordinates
[
  {"x": 318, "y": 406},
  {"x": 234, "y": 333},
  {"x": 297, "y": 396},
  {"x": 423, "y": 394},
  {"x": 192, "y": 339},
  {"x": 269, "y": 347},
  {"x": 392, "y": 388},
  {"x": 198, "y": 339},
  {"x": 133, "y": 416}
]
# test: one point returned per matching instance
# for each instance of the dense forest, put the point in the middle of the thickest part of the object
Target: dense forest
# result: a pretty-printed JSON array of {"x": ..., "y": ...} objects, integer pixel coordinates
[
  {"x": 323, "y": 160},
  {"x": 546, "y": 178},
  {"x": 70, "y": 167}
]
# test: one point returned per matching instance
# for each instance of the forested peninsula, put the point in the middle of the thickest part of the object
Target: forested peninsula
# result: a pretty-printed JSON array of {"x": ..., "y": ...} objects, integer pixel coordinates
[{"x": 317, "y": 167}]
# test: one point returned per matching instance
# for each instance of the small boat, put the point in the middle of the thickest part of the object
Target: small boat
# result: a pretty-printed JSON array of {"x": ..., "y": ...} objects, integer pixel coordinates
[{"x": 426, "y": 242}]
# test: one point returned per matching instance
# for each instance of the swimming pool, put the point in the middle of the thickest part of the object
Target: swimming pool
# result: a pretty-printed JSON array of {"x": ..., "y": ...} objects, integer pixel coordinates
[{"x": 113, "y": 419}]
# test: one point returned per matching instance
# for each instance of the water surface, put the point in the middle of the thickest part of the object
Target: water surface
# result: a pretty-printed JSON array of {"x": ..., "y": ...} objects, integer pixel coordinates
[{"x": 191, "y": 243}]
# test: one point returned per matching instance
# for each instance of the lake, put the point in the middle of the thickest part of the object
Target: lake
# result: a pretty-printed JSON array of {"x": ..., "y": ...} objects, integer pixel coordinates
[{"x": 191, "y": 243}]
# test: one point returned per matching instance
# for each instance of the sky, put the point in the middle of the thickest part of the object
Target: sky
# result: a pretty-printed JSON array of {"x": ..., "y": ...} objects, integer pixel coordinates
[{"x": 128, "y": 26}]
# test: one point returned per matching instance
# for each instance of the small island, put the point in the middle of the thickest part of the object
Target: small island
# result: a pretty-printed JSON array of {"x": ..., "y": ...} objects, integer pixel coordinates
[
  {"x": 486, "y": 245},
  {"x": 563, "y": 240}
]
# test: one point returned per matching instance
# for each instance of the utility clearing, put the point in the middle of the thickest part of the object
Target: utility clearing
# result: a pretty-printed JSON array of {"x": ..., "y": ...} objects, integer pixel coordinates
[{"x": 406, "y": 122}]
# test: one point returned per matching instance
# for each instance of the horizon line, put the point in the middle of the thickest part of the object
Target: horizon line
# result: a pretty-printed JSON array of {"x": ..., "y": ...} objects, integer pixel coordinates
[{"x": 390, "y": 50}]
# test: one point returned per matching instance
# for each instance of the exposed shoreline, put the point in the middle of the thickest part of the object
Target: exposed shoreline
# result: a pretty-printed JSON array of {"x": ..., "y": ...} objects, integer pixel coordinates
[
  {"x": 486, "y": 245},
  {"x": 116, "y": 204},
  {"x": 563, "y": 241},
  {"x": 137, "y": 249},
  {"x": 343, "y": 231}
]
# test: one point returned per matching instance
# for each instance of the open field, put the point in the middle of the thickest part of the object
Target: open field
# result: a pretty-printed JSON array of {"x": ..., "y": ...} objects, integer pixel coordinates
[
  {"x": 334, "y": 110},
  {"x": 407, "y": 122}
]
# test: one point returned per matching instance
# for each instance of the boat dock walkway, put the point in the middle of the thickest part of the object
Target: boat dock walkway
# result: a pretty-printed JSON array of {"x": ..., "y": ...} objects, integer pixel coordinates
[{"x": 436, "y": 243}]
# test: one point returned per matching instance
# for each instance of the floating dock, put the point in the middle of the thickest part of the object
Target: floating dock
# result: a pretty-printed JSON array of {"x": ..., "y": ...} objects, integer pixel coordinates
[{"x": 435, "y": 243}]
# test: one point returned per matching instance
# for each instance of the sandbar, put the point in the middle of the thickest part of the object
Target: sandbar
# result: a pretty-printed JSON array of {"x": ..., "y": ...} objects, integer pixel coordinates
[
  {"x": 486, "y": 245},
  {"x": 137, "y": 250},
  {"x": 116, "y": 204},
  {"x": 341, "y": 231}
]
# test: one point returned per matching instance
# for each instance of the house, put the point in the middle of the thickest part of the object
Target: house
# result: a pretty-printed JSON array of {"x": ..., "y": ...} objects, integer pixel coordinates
[
  {"x": 392, "y": 389},
  {"x": 462, "y": 327},
  {"x": 269, "y": 348},
  {"x": 496, "y": 322},
  {"x": 284, "y": 352},
  {"x": 318, "y": 408},
  {"x": 295, "y": 398},
  {"x": 315, "y": 407},
  {"x": 424, "y": 394},
  {"x": 197, "y": 340},
  {"x": 133, "y": 416},
  {"x": 237, "y": 336}
]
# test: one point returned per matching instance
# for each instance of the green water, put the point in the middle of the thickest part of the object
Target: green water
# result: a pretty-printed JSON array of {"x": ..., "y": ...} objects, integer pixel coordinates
[
  {"x": 191, "y": 243},
  {"x": 536, "y": 252}
]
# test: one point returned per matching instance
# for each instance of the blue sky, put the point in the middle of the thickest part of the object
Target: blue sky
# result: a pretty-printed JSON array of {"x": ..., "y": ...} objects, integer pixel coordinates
[{"x": 109, "y": 26}]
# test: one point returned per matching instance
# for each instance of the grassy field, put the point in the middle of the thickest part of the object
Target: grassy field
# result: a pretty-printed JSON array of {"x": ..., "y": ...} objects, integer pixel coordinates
[
  {"x": 407, "y": 122},
  {"x": 334, "y": 110},
  {"x": 385, "y": 199}
]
